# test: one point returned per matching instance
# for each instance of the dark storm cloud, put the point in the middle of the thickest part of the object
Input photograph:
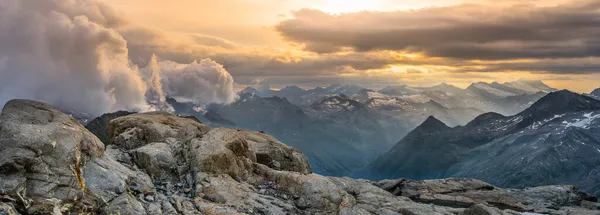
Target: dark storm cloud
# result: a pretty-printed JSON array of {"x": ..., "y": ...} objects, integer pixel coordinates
[
  {"x": 555, "y": 66},
  {"x": 244, "y": 61},
  {"x": 463, "y": 32}
]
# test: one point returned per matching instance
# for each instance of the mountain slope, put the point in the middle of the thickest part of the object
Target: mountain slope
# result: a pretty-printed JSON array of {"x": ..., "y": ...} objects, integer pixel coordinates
[
  {"x": 159, "y": 163},
  {"x": 488, "y": 91},
  {"x": 249, "y": 90},
  {"x": 556, "y": 140},
  {"x": 559, "y": 150},
  {"x": 343, "y": 89},
  {"x": 332, "y": 146},
  {"x": 596, "y": 93},
  {"x": 99, "y": 125},
  {"x": 430, "y": 149},
  {"x": 443, "y": 87},
  {"x": 291, "y": 93},
  {"x": 530, "y": 86}
]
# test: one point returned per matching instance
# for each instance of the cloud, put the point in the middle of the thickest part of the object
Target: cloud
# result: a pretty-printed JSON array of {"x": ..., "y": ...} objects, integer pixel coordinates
[
  {"x": 565, "y": 66},
  {"x": 95, "y": 11},
  {"x": 468, "y": 31},
  {"x": 155, "y": 95},
  {"x": 213, "y": 41},
  {"x": 61, "y": 52},
  {"x": 202, "y": 82},
  {"x": 72, "y": 54},
  {"x": 246, "y": 61}
]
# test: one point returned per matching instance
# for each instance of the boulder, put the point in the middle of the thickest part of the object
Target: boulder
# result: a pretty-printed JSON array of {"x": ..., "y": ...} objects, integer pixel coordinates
[
  {"x": 480, "y": 209},
  {"x": 467, "y": 193},
  {"x": 157, "y": 160},
  {"x": 133, "y": 131},
  {"x": 42, "y": 155},
  {"x": 242, "y": 196},
  {"x": 125, "y": 204},
  {"x": 107, "y": 179},
  {"x": 415, "y": 188},
  {"x": 269, "y": 151},
  {"x": 219, "y": 158}
]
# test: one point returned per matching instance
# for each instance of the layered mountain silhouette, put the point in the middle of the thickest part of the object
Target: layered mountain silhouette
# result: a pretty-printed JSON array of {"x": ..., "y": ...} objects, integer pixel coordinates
[
  {"x": 337, "y": 141},
  {"x": 342, "y": 128},
  {"x": 160, "y": 163},
  {"x": 556, "y": 140}
]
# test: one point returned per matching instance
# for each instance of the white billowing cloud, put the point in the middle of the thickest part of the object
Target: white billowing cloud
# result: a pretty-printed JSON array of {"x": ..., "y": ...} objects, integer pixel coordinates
[
  {"x": 155, "y": 94},
  {"x": 71, "y": 54},
  {"x": 201, "y": 82},
  {"x": 54, "y": 51}
]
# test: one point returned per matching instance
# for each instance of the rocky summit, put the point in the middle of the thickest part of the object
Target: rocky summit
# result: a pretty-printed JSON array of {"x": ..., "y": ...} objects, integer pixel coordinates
[{"x": 159, "y": 163}]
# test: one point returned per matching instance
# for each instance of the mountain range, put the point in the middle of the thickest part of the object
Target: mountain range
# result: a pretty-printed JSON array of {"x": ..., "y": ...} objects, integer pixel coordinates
[
  {"x": 160, "y": 163},
  {"x": 554, "y": 141},
  {"x": 330, "y": 139},
  {"x": 342, "y": 128},
  {"x": 496, "y": 97},
  {"x": 444, "y": 131}
]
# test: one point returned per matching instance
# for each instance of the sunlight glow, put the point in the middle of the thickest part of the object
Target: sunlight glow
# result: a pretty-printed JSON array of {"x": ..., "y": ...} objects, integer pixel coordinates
[{"x": 349, "y": 6}]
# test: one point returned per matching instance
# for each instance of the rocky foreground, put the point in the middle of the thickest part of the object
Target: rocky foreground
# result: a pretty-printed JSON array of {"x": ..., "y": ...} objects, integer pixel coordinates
[{"x": 158, "y": 163}]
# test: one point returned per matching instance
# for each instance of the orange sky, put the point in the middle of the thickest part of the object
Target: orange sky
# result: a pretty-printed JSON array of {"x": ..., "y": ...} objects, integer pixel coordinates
[{"x": 259, "y": 30}]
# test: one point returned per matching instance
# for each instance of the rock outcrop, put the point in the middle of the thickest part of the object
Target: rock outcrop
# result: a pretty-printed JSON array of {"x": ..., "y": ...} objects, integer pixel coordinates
[
  {"x": 99, "y": 125},
  {"x": 480, "y": 195},
  {"x": 158, "y": 163}
]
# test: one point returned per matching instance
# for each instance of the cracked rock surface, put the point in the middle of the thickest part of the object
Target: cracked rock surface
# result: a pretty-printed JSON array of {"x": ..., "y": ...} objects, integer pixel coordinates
[{"x": 159, "y": 163}]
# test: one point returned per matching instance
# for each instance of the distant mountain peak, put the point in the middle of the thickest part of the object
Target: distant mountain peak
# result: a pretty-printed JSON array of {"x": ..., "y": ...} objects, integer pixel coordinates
[
  {"x": 337, "y": 103},
  {"x": 292, "y": 89},
  {"x": 530, "y": 85},
  {"x": 477, "y": 85},
  {"x": 433, "y": 124},
  {"x": 530, "y": 81},
  {"x": 346, "y": 89},
  {"x": 445, "y": 85},
  {"x": 596, "y": 92},
  {"x": 366, "y": 91},
  {"x": 249, "y": 90},
  {"x": 334, "y": 85},
  {"x": 484, "y": 118},
  {"x": 561, "y": 101}
]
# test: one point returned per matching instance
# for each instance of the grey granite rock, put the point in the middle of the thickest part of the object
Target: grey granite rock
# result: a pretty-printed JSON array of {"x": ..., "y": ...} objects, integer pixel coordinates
[{"x": 158, "y": 163}]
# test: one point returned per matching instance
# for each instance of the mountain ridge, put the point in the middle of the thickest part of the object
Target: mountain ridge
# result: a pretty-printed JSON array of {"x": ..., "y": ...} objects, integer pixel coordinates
[
  {"x": 157, "y": 162},
  {"x": 559, "y": 116}
]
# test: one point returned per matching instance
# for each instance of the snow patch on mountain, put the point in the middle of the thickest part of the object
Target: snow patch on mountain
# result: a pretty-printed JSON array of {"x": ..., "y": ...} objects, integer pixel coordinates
[
  {"x": 582, "y": 123},
  {"x": 389, "y": 104},
  {"x": 537, "y": 124},
  {"x": 373, "y": 94},
  {"x": 417, "y": 98}
]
